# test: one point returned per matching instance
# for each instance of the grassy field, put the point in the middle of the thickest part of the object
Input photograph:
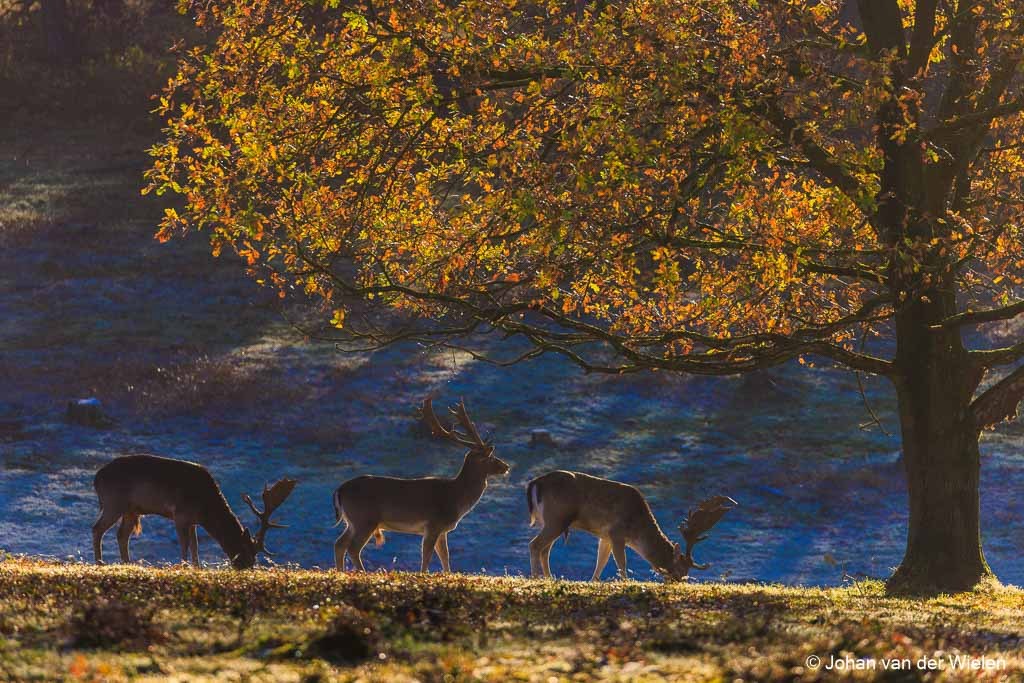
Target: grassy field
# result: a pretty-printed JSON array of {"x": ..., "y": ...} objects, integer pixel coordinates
[{"x": 73, "y": 621}]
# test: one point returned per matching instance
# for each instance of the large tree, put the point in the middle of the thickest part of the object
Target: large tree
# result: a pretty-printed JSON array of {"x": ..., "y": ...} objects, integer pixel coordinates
[{"x": 698, "y": 186}]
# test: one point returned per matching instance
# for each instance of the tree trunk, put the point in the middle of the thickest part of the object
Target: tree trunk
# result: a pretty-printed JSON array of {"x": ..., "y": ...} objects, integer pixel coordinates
[
  {"x": 54, "y": 15},
  {"x": 940, "y": 453}
]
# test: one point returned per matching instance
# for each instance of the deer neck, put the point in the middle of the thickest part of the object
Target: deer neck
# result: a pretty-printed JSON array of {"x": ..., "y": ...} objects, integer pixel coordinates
[
  {"x": 223, "y": 526},
  {"x": 654, "y": 546},
  {"x": 470, "y": 485}
]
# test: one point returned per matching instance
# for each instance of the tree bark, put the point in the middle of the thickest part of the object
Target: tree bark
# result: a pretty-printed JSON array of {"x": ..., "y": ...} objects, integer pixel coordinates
[
  {"x": 940, "y": 453},
  {"x": 54, "y": 14},
  {"x": 935, "y": 377}
]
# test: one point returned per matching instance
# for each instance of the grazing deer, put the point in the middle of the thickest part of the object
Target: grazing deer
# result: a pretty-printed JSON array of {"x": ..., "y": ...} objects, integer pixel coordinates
[
  {"x": 429, "y": 506},
  {"x": 186, "y": 493},
  {"x": 619, "y": 516}
]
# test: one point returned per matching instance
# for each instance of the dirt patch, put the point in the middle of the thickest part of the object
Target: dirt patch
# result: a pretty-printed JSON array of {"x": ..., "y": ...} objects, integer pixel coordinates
[
  {"x": 113, "y": 624},
  {"x": 352, "y": 636}
]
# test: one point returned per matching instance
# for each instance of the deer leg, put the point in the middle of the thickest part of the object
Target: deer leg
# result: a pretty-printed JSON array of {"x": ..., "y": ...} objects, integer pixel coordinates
[
  {"x": 619, "y": 551},
  {"x": 101, "y": 527},
  {"x": 545, "y": 559},
  {"x": 604, "y": 551},
  {"x": 124, "y": 534},
  {"x": 540, "y": 551},
  {"x": 193, "y": 544},
  {"x": 341, "y": 547},
  {"x": 183, "y": 538},
  {"x": 355, "y": 548},
  {"x": 442, "y": 551},
  {"x": 429, "y": 541}
]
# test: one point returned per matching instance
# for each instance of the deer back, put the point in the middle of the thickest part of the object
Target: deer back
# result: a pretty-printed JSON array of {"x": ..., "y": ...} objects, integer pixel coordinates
[
  {"x": 601, "y": 506},
  {"x": 177, "y": 489},
  {"x": 410, "y": 501}
]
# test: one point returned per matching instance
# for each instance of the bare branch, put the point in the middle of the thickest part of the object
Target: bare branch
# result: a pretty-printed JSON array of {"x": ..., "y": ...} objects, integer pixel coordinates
[
  {"x": 986, "y": 316},
  {"x": 1005, "y": 356},
  {"x": 855, "y": 360},
  {"x": 1000, "y": 401}
]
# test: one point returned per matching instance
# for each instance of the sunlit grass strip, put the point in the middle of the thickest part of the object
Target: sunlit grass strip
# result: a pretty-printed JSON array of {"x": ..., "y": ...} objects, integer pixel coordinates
[{"x": 289, "y": 624}]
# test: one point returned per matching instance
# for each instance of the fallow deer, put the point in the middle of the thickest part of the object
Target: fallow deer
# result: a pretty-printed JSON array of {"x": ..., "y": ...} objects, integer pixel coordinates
[
  {"x": 619, "y": 516},
  {"x": 428, "y": 506},
  {"x": 186, "y": 493}
]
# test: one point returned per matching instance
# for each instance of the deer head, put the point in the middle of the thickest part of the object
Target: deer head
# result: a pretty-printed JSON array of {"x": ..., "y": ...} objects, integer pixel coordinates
[
  {"x": 698, "y": 522},
  {"x": 273, "y": 497},
  {"x": 481, "y": 451}
]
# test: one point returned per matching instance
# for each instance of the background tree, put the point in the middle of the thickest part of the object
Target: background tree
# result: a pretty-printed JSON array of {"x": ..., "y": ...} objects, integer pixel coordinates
[
  {"x": 54, "y": 17},
  {"x": 710, "y": 186},
  {"x": 75, "y": 29}
]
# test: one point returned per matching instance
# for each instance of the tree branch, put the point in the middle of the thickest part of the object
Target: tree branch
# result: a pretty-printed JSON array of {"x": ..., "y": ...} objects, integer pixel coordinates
[
  {"x": 1004, "y": 356},
  {"x": 791, "y": 132},
  {"x": 980, "y": 118},
  {"x": 592, "y": 347},
  {"x": 859, "y": 271},
  {"x": 986, "y": 316},
  {"x": 856, "y": 360},
  {"x": 883, "y": 25},
  {"x": 922, "y": 40},
  {"x": 1000, "y": 401}
]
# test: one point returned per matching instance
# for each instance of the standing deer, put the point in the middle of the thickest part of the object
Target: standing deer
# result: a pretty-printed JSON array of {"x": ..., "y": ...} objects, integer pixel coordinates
[
  {"x": 619, "y": 516},
  {"x": 429, "y": 506},
  {"x": 186, "y": 493}
]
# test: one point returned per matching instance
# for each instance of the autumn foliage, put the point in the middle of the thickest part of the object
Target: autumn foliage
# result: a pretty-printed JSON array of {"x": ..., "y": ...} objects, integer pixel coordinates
[
  {"x": 676, "y": 171},
  {"x": 709, "y": 186}
]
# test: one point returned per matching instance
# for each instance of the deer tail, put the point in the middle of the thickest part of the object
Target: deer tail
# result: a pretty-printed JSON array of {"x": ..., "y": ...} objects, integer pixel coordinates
[
  {"x": 339, "y": 511},
  {"x": 532, "y": 494}
]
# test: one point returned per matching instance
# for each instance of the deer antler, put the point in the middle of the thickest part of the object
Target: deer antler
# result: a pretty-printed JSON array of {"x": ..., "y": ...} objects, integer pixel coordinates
[
  {"x": 273, "y": 496},
  {"x": 470, "y": 439},
  {"x": 460, "y": 413},
  {"x": 700, "y": 520}
]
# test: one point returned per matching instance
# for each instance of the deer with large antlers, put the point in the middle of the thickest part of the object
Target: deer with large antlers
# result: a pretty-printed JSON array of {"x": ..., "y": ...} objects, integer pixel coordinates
[
  {"x": 619, "y": 516},
  {"x": 186, "y": 493},
  {"x": 428, "y": 506}
]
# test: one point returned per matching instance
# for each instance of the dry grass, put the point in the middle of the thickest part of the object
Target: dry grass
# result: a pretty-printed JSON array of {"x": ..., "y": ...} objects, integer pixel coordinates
[
  {"x": 63, "y": 181},
  {"x": 201, "y": 383},
  {"x": 312, "y": 625}
]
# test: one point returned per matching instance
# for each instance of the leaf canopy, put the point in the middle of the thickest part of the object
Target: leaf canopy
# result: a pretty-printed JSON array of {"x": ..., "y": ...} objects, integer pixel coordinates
[{"x": 691, "y": 184}]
